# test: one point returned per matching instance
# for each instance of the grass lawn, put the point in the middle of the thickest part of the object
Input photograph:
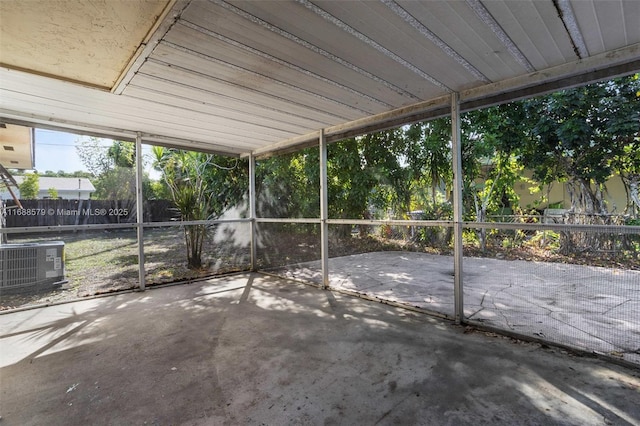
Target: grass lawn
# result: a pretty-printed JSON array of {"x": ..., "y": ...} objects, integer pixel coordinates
[{"x": 101, "y": 262}]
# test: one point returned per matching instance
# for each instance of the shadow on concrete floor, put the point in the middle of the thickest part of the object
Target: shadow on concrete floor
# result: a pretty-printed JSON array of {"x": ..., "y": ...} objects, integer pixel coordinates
[
  {"x": 584, "y": 307},
  {"x": 252, "y": 349}
]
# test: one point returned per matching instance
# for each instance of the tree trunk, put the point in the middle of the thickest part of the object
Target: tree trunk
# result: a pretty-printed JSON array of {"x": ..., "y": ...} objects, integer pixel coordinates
[
  {"x": 481, "y": 213},
  {"x": 632, "y": 183},
  {"x": 587, "y": 208},
  {"x": 585, "y": 199},
  {"x": 194, "y": 240}
]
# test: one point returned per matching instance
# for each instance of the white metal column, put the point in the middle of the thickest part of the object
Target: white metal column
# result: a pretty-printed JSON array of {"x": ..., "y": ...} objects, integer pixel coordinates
[
  {"x": 324, "y": 211},
  {"x": 456, "y": 147},
  {"x": 139, "y": 211},
  {"x": 252, "y": 209}
]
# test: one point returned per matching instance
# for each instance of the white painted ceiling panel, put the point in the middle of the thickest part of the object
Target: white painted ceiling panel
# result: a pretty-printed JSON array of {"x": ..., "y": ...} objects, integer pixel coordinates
[
  {"x": 617, "y": 23},
  {"x": 213, "y": 112},
  {"x": 252, "y": 76},
  {"x": 585, "y": 13},
  {"x": 228, "y": 78},
  {"x": 148, "y": 88},
  {"x": 261, "y": 64},
  {"x": 394, "y": 30},
  {"x": 467, "y": 35},
  {"x": 324, "y": 40},
  {"x": 73, "y": 105},
  {"x": 533, "y": 27},
  {"x": 631, "y": 13},
  {"x": 219, "y": 87},
  {"x": 288, "y": 48}
]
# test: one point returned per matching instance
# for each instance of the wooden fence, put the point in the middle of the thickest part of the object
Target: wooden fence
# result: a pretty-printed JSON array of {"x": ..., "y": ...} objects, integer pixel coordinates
[{"x": 83, "y": 212}]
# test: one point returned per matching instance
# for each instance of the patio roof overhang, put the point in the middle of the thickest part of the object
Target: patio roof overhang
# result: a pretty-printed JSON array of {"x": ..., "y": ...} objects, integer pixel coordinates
[{"x": 256, "y": 77}]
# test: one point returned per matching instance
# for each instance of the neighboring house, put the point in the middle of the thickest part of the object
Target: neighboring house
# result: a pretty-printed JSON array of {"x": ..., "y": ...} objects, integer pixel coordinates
[
  {"x": 68, "y": 188},
  {"x": 557, "y": 195}
]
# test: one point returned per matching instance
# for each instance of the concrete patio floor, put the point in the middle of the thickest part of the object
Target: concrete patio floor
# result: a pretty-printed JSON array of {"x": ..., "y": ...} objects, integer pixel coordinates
[
  {"x": 585, "y": 307},
  {"x": 250, "y": 349}
]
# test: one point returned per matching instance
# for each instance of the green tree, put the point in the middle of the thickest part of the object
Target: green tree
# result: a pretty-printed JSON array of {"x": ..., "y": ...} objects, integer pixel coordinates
[
  {"x": 123, "y": 154},
  {"x": 203, "y": 187},
  {"x": 93, "y": 155},
  {"x": 53, "y": 193},
  {"x": 625, "y": 123},
  {"x": 430, "y": 172},
  {"x": 30, "y": 186},
  {"x": 384, "y": 155},
  {"x": 118, "y": 183},
  {"x": 112, "y": 169},
  {"x": 287, "y": 185},
  {"x": 578, "y": 136},
  {"x": 490, "y": 161},
  {"x": 429, "y": 158},
  {"x": 582, "y": 136},
  {"x": 365, "y": 174},
  {"x": 628, "y": 166},
  {"x": 62, "y": 173}
]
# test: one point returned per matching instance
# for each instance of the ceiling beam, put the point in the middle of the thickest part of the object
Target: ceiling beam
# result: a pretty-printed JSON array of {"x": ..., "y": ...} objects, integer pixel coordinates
[
  {"x": 565, "y": 12},
  {"x": 417, "y": 112},
  {"x": 10, "y": 117},
  {"x": 606, "y": 65},
  {"x": 596, "y": 68},
  {"x": 169, "y": 16}
]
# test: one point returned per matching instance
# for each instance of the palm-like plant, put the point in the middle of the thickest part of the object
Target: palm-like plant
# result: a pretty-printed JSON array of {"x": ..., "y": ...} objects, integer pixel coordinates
[{"x": 184, "y": 174}]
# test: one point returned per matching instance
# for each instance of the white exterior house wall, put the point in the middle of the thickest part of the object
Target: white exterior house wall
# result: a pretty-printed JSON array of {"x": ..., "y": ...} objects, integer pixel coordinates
[{"x": 67, "y": 188}]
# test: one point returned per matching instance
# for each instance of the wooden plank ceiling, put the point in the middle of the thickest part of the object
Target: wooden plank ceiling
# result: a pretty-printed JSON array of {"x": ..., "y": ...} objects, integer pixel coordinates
[{"x": 252, "y": 76}]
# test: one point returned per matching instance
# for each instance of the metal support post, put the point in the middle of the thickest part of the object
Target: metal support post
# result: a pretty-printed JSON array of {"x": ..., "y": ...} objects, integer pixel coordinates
[
  {"x": 456, "y": 147},
  {"x": 252, "y": 210},
  {"x": 324, "y": 211},
  {"x": 139, "y": 211}
]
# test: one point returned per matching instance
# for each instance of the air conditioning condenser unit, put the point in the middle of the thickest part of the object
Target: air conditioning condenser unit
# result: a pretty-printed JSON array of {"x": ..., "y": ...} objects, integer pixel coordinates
[{"x": 31, "y": 267}]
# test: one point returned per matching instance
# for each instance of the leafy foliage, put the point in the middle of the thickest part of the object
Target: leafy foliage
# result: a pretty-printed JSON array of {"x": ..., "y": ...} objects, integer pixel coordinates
[
  {"x": 582, "y": 136},
  {"x": 202, "y": 186},
  {"x": 287, "y": 185},
  {"x": 112, "y": 170},
  {"x": 579, "y": 137},
  {"x": 94, "y": 156},
  {"x": 428, "y": 154},
  {"x": 30, "y": 186},
  {"x": 53, "y": 193},
  {"x": 62, "y": 173}
]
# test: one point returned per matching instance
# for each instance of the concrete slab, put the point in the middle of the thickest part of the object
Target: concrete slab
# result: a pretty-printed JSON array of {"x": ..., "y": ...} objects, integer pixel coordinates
[
  {"x": 589, "y": 308},
  {"x": 252, "y": 350}
]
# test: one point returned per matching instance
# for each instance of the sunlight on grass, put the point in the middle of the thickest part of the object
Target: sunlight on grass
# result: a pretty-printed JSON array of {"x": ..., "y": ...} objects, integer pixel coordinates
[{"x": 106, "y": 261}]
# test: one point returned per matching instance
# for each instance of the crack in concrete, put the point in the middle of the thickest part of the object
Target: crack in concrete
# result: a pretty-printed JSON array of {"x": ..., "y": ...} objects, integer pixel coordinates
[
  {"x": 613, "y": 307},
  {"x": 584, "y": 331},
  {"x": 493, "y": 302},
  {"x": 482, "y": 307}
]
